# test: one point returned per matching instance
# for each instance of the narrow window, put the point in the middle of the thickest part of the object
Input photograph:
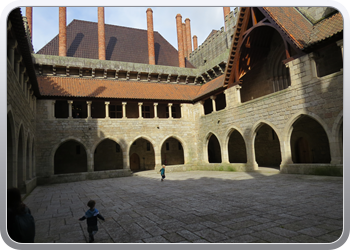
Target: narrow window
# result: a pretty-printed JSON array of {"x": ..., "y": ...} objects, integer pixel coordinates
[
  {"x": 148, "y": 146},
  {"x": 167, "y": 146},
  {"x": 77, "y": 149}
]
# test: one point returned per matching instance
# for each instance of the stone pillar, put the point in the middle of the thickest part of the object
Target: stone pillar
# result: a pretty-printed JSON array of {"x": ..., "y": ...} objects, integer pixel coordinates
[
  {"x": 53, "y": 116},
  {"x": 181, "y": 109},
  {"x": 150, "y": 37},
  {"x": 29, "y": 15},
  {"x": 238, "y": 94},
  {"x": 340, "y": 44},
  {"x": 124, "y": 109},
  {"x": 286, "y": 153},
  {"x": 62, "y": 37},
  {"x": 251, "y": 154},
  {"x": 169, "y": 108},
  {"x": 202, "y": 109},
  {"x": 180, "y": 41},
  {"x": 107, "y": 110},
  {"x": 70, "y": 109},
  {"x": 140, "y": 110},
  {"x": 155, "y": 105},
  {"x": 213, "y": 97},
  {"x": 88, "y": 109},
  {"x": 313, "y": 66},
  {"x": 101, "y": 34},
  {"x": 188, "y": 37}
]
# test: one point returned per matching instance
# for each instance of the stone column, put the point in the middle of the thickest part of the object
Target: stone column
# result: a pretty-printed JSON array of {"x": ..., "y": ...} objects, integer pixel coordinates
[
  {"x": 181, "y": 110},
  {"x": 107, "y": 110},
  {"x": 124, "y": 109},
  {"x": 213, "y": 97},
  {"x": 238, "y": 94},
  {"x": 340, "y": 44},
  {"x": 53, "y": 116},
  {"x": 140, "y": 110},
  {"x": 155, "y": 105},
  {"x": 202, "y": 109},
  {"x": 70, "y": 109},
  {"x": 251, "y": 154},
  {"x": 286, "y": 153},
  {"x": 169, "y": 108},
  {"x": 88, "y": 109}
]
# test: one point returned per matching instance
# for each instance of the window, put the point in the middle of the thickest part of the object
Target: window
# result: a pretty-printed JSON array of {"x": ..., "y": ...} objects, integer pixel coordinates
[
  {"x": 167, "y": 146},
  {"x": 146, "y": 112},
  {"x": 148, "y": 146},
  {"x": 77, "y": 149},
  {"x": 115, "y": 111}
]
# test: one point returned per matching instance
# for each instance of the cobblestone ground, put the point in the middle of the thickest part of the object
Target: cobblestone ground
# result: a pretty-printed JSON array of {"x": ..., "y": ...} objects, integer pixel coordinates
[{"x": 195, "y": 206}]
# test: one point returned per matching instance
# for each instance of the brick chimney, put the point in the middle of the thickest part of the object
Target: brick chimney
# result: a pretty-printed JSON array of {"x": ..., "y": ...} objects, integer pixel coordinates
[
  {"x": 184, "y": 38},
  {"x": 150, "y": 37},
  {"x": 180, "y": 41},
  {"x": 29, "y": 15},
  {"x": 226, "y": 12},
  {"x": 195, "y": 42},
  {"x": 188, "y": 37},
  {"x": 101, "y": 34},
  {"x": 62, "y": 37}
]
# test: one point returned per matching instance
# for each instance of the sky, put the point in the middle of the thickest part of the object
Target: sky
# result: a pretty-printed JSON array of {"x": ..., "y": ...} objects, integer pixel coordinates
[{"x": 202, "y": 19}]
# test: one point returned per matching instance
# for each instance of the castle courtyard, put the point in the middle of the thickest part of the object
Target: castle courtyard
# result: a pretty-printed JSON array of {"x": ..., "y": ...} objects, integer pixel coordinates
[{"x": 194, "y": 207}]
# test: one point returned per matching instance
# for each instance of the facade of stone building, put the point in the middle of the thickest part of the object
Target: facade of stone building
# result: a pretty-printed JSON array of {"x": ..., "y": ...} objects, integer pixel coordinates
[{"x": 266, "y": 90}]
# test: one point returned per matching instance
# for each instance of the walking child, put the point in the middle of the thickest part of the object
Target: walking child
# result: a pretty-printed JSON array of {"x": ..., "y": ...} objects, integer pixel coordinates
[
  {"x": 162, "y": 172},
  {"x": 91, "y": 219}
]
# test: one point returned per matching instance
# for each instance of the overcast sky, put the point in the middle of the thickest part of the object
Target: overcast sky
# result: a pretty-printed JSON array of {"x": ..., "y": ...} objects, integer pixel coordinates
[{"x": 203, "y": 20}]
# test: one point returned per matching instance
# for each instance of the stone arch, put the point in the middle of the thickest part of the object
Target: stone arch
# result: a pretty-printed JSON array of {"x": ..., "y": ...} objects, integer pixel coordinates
[
  {"x": 108, "y": 155},
  {"x": 70, "y": 156},
  {"x": 309, "y": 141},
  {"x": 11, "y": 151},
  {"x": 142, "y": 154},
  {"x": 213, "y": 148},
  {"x": 235, "y": 146},
  {"x": 173, "y": 150},
  {"x": 20, "y": 158},
  {"x": 266, "y": 144}
]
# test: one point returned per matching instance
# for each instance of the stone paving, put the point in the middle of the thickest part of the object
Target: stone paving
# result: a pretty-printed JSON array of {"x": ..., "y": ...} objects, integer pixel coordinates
[{"x": 194, "y": 207}]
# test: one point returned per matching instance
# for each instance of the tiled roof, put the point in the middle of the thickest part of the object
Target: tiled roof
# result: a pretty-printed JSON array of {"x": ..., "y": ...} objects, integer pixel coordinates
[
  {"x": 103, "y": 88},
  {"x": 326, "y": 28},
  {"x": 293, "y": 23},
  {"x": 122, "y": 44},
  {"x": 302, "y": 32}
]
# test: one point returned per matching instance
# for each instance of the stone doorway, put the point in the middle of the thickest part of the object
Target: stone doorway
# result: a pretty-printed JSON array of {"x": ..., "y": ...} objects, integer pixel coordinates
[
  {"x": 303, "y": 153},
  {"x": 135, "y": 162}
]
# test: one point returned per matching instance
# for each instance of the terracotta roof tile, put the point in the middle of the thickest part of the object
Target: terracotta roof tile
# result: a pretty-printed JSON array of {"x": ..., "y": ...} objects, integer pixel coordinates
[
  {"x": 211, "y": 86},
  {"x": 326, "y": 28},
  {"x": 101, "y": 88},
  {"x": 122, "y": 44}
]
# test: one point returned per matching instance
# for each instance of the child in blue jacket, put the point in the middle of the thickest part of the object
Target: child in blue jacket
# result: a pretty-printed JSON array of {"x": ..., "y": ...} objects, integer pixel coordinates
[
  {"x": 162, "y": 172},
  {"x": 91, "y": 219}
]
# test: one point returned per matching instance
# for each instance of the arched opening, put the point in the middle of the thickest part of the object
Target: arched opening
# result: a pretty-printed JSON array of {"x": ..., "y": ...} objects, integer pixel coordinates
[
  {"x": 267, "y": 147},
  {"x": 108, "y": 156},
  {"x": 172, "y": 152},
  {"x": 237, "y": 152},
  {"x": 309, "y": 142},
  {"x": 10, "y": 151},
  {"x": 141, "y": 155},
  {"x": 261, "y": 67},
  {"x": 20, "y": 160},
  {"x": 70, "y": 157},
  {"x": 214, "y": 150}
]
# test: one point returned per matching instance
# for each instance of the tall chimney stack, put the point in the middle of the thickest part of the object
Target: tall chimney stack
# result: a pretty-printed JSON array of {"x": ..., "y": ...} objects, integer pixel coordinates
[
  {"x": 101, "y": 34},
  {"x": 29, "y": 15},
  {"x": 226, "y": 12},
  {"x": 62, "y": 37},
  {"x": 195, "y": 42},
  {"x": 180, "y": 41},
  {"x": 184, "y": 38},
  {"x": 188, "y": 37},
  {"x": 150, "y": 37}
]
